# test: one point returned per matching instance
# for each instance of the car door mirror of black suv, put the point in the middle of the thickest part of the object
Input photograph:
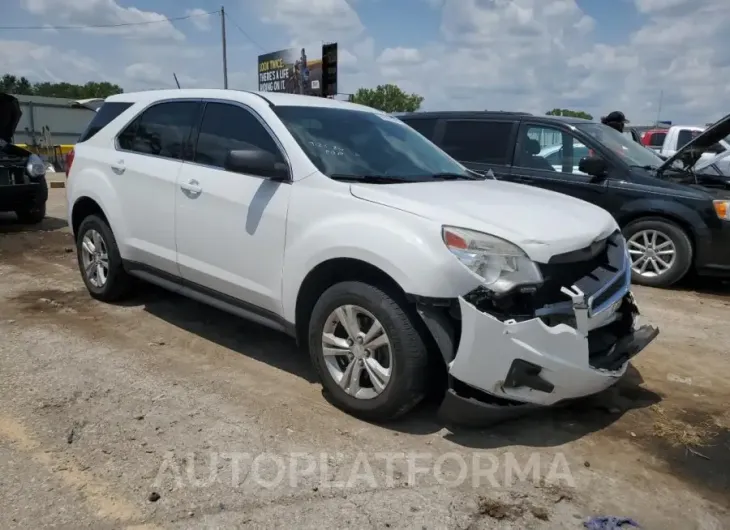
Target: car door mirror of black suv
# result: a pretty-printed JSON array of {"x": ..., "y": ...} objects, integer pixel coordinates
[
  {"x": 257, "y": 162},
  {"x": 595, "y": 166}
]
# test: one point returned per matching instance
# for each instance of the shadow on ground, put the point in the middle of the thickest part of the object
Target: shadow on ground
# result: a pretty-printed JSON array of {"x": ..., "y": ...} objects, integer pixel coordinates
[
  {"x": 232, "y": 332},
  {"x": 544, "y": 428},
  {"x": 552, "y": 427},
  {"x": 706, "y": 286},
  {"x": 9, "y": 224}
]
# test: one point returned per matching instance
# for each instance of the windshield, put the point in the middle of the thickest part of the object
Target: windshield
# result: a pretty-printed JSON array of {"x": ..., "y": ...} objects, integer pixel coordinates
[
  {"x": 359, "y": 143},
  {"x": 633, "y": 153}
]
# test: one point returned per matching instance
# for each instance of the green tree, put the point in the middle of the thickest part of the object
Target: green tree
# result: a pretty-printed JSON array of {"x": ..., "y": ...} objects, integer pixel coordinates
[
  {"x": 569, "y": 113},
  {"x": 388, "y": 98},
  {"x": 93, "y": 89}
]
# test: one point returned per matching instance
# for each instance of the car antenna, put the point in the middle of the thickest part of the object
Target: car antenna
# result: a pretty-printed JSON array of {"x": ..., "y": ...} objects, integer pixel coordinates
[{"x": 176, "y": 81}]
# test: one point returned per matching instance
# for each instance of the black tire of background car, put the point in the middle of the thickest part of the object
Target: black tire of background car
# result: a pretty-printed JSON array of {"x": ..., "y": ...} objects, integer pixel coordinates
[
  {"x": 32, "y": 215},
  {"x": 119, "y": 283},
  {"x": 407, "y": 385},
  {"x": 682, "y": 244}
]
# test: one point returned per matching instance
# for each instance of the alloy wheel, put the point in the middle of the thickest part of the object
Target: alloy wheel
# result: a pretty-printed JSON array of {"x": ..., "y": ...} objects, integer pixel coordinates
[
  {"x": 95, "y": 258},
  {"x": 357, "y": 352},
  {"x": 652, "y": 252}
]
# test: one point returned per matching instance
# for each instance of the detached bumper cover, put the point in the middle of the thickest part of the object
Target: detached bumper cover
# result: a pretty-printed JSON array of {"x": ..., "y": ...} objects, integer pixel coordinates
[{"x": 529, "y": 365}]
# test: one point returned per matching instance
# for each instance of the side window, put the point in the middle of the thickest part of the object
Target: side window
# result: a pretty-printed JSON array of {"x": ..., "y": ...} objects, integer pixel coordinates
[
  {"x": 230, "y": 127},
  {"x": 657, "y": 139},
  {"x": 425, "y": 126},
  {"x": 103, "y": 117},
  {"x": 549, "y": 149},
  {"x": 161, "y": 130},
  {"x": 684, "y": 137},
  {"x": 482, "y": 142}
]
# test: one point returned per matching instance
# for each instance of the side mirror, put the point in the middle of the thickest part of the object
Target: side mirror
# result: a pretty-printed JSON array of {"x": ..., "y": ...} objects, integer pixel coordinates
[
  {"x": 594, "y": 166},
  {"x": 257, "y": 162}
]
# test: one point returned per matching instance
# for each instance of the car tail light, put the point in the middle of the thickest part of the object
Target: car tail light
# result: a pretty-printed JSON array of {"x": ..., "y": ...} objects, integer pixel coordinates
[
  {"x": 69, "y": 161},
  {"x": 646, "y": 138}
]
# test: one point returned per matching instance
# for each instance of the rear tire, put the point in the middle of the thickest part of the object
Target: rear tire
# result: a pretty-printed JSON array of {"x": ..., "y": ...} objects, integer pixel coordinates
[
  {"x": 406, "y": 351},
  {"x": 32, "y": 215},
  {"x": 116, "y": 283},
  {"x": 660, "y": 250}
]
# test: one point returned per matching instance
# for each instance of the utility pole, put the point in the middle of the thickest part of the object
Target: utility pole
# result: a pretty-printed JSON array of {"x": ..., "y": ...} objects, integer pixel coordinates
[
  {"x": 223, "y": 38},
  {"x": 659, "y": 110}
]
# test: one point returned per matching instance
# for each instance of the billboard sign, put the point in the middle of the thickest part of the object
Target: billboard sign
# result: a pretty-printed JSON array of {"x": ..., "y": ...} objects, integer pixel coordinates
[
  {"x": 329, "y": 69},
  {"x": 290, "y": 71}
]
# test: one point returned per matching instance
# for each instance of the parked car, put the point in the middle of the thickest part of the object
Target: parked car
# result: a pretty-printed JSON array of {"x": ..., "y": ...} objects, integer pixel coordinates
[
  {"x": 680, "y": 135},
  {"x": 675, "y": 219},
  {"x": 654, "y": 139},
  {"x": 340, "y": 225},
  {"x": 23, "y": 186}
]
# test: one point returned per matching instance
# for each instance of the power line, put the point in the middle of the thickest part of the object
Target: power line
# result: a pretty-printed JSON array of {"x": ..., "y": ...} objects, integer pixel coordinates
[
  {"x": 244, "y": 33},
  {"x": 122, "y": 24}
]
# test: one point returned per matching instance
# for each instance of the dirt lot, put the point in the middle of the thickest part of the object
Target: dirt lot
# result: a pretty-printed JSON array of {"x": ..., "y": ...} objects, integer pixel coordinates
[{"x": 163, "y": 413}]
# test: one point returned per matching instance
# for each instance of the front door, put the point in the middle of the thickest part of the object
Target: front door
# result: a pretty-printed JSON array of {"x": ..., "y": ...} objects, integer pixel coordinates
[
  {"x": 548, "y": 157},
  {"x": 230, "y": 227}
]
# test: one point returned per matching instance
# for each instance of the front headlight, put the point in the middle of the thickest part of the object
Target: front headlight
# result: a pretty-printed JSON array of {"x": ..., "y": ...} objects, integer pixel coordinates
[
  {"x": 35, "y": 166},
  {"x": 498, "y": 263},
  {"x": 722, "y": 209}
]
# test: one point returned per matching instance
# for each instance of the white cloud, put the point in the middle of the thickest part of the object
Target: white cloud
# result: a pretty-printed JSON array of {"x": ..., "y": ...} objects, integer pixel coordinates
[
  {"x": 530, "y": 55},
  {"x": 200, "y": 18},
  {"x": 141, "y": 24}
]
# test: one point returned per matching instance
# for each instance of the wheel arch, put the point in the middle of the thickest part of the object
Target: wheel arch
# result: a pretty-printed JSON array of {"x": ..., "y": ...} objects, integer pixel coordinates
[
  {"x": 331, "y": 272},
  {"x": 82, "y": 208},
  {"x": 337, "y": 270},
  {"x": 680, "y": 215}
]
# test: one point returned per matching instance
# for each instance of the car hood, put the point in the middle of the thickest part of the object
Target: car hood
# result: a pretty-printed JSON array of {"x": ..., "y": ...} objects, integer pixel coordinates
[
  {"x": 693, "y": 150},
  {"x": 714, "y": 160},
  {"x": 90, "y": 103},
  {"x": 543, "y": 223},
  {"x": 10, "y": 114}
]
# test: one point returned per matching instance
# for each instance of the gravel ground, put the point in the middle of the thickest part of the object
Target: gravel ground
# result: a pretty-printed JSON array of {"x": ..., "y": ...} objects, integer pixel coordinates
[{"x": 163, "y": 413}]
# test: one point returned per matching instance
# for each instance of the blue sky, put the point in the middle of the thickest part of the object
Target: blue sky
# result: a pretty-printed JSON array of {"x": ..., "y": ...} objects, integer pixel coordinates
[{"x": 534, "y": 55}]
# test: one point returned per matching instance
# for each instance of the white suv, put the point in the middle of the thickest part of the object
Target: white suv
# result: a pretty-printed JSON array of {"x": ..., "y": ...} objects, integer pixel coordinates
[{"x": 344, "y": 227}]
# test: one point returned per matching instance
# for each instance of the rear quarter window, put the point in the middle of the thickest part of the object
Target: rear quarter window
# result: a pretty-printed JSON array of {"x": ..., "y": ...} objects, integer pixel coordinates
[{"x": 102, "y": 117}]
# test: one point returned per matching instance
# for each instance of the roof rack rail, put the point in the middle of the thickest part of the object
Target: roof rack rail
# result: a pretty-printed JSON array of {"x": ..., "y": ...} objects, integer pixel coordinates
[{"x": 509, "y": 112}]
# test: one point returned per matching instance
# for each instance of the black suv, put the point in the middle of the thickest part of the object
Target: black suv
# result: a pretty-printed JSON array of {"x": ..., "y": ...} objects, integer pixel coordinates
[
  {"x": 674, "y": 218},
  {"x": 23, "y": 186}
]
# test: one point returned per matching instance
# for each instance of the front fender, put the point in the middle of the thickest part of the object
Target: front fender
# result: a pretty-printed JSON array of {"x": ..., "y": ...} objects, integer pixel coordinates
[
  {"x": 407, "y": 248},
  {"x": 663, "y": 208}
]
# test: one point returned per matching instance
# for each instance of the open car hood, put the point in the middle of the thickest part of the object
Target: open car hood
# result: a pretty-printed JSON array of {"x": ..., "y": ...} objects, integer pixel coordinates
[
  {"x": 91, "y": 103},
  {"x": 693, "y": 150},
  {"x": 10, "y": 114}
]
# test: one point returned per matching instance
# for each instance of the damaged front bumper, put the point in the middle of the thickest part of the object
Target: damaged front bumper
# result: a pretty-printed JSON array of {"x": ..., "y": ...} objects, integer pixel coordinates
[{"x": 505, "y": 368}]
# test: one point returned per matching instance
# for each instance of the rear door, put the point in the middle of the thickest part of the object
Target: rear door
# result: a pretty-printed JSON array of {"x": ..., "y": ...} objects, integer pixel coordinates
[
  {"x": 480, "y": 144},
  {"x": 535, "y": 163},
  {"x": 145, "y": 169}
]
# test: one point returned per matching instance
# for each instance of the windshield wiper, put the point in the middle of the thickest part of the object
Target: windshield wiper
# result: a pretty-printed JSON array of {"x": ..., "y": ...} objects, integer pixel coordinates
[
  {"x": 370, "y": 179},
  {"x": 471, "y": 175},
  {"x": 647, "y": 167}
]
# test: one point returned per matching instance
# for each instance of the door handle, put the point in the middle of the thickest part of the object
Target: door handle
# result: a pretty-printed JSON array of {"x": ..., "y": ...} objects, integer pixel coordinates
[
  {"x": 192, "y": 188},
  {"x": 118, "y": 167}
]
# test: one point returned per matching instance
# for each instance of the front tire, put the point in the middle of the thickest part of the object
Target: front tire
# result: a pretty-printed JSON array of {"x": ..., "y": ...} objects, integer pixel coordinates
[
  {"x": 661, "y": 252},
  {"x": 100, "y": 262},
  {"x": 32, "y": 215},
  {"x": 370, "y": 358}
]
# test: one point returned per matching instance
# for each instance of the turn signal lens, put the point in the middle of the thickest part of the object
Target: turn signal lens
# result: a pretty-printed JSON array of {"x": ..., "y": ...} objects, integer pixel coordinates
[{"x": 722, "y": 209}]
